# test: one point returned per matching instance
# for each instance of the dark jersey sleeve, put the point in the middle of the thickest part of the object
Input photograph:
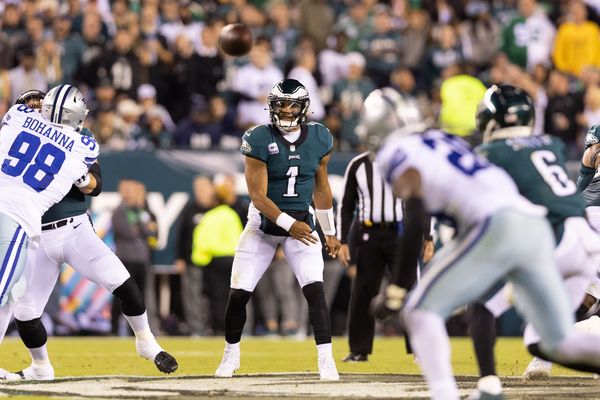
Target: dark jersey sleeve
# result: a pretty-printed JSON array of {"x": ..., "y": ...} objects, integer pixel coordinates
[{"x": 254, "y": 143}]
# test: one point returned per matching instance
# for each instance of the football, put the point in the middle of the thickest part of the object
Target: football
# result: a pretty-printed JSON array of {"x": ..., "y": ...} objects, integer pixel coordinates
[{"x": 235, "y": 39}]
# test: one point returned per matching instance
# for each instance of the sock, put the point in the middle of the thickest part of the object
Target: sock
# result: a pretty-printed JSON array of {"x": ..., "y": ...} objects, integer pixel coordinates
[
  {"x": 39, "y": 355},
  {"x": 431, "y": 345},
  {"x": 235, "y": 314},
  {"x": 318, "y": 313},
  {"x": 483, "y": 333},
  {"x": 232, "y": 347},
  {"x": 139, "y": 323},
  {"x": 324, "y": 350}
]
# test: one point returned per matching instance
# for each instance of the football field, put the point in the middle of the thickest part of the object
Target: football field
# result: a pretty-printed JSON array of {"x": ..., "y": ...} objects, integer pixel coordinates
[{"x": 110, "y": 368}]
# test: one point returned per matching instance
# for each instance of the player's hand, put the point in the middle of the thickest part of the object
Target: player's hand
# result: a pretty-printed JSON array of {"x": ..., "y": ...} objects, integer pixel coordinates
[
  {"x": 333, "y": 245},
  {"x": 301, "y": 231},
  {"x": 180, "y": 266},
  {"x": 344, "y": 255},
  {"x": 428, "y": 250}
]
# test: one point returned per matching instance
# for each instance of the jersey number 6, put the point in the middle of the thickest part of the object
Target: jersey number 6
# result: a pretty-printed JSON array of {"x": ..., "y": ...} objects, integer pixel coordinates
[{"x": 48, "y": 160}]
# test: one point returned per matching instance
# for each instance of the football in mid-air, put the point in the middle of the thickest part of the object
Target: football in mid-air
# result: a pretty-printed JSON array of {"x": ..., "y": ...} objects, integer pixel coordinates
[{"x": 235, "y": 39}]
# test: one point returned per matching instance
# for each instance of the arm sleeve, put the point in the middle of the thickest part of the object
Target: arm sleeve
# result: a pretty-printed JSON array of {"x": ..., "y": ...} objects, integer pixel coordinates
[
  {"x": 253, "y": 146},
  {"x": 97, "y": 174},
  {"x": 410, "y": 243},
  {"x": 586, "y": 174},
  {"x": 348, "y": 204}
]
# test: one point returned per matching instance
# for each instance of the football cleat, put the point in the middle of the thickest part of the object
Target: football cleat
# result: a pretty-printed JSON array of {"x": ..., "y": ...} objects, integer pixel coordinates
[
  {"x": 165, "y": 362},
  {"x": 488, "y": 388},
  {"x": 537, "y": 369},
  {"x": 35, "y": 372},
  {"x": 327, "y": 369},
  {"x": 229, "y": 364},
  {"x": 354, "y": 357}
]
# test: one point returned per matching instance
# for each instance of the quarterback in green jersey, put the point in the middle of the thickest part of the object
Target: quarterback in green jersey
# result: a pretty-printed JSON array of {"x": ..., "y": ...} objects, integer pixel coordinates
[
  {"x": 286, "y": 170},
  {"x": 537, "y": 166}
]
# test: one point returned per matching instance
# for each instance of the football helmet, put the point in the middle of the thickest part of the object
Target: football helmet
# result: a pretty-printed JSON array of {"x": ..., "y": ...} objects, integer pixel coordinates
[
  {"x": 32, "y": 99},
  {"x": 505, "y": 106},
  {"x": 385, "y": 112},
  {"x": 592, "y": 136},
  {"x": 288, "y": 104},
  {"x": 65, "y": 105}
]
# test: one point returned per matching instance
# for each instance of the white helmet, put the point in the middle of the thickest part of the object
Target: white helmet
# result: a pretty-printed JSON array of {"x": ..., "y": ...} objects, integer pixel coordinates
[
  {"x": 386, "y": 111},
  {"x": 65, "y": 105}
]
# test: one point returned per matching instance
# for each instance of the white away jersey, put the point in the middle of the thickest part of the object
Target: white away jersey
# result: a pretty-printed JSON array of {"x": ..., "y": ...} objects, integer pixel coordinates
[
  {"x": 458, "y": 185},
  {"x": 39, "y": 161}
]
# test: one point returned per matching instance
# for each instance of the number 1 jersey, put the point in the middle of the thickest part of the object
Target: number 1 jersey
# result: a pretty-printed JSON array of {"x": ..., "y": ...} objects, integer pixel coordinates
[
  {"x": 39, "y": 161},
  {"x": 458, "y": 185}
]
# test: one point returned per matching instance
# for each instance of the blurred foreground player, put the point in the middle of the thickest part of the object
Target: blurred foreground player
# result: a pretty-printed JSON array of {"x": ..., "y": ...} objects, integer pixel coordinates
[
  {"x": 286, "y": 168},
  {"x": 495, "y": 226}
]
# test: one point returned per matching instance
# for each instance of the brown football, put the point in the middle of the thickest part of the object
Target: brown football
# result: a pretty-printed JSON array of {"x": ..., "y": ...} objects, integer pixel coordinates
[{"x": 235, "y": 39}]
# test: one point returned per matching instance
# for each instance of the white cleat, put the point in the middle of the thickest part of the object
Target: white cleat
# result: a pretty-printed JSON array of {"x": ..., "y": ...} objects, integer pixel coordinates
[
  {"x": 327, "y": 369},
  {"x": 229, "y": 364},
  {"x": 488, "y": 388},
  {"x": 35, "y": 372},
  {"x": 537, "y": 369}
]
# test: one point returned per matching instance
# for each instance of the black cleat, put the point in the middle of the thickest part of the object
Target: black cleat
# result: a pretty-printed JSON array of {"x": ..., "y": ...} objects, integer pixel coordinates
[
  {"x": 165, "y": 362},
  {"x": 352, "y": 357}
]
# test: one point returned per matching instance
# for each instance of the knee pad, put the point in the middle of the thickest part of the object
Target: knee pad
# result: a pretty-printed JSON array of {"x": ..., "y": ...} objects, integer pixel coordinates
[
  {"x": 318, "y": 313},
  {"x": 132, "y": 299},
  {"x": 32, "y": 333}
]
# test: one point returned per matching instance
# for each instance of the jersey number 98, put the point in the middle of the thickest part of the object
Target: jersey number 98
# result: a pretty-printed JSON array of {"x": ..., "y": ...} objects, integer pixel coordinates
[{"x": 46, "y": 162}]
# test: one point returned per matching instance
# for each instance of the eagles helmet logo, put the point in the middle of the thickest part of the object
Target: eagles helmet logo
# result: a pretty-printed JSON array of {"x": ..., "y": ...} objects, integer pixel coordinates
[{"x": 245, "y": 148}]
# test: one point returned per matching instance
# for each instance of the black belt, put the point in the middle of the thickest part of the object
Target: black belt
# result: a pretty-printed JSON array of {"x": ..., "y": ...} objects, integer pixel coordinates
[
  {"x": 57, "y": 224},
  {"x": 384, "y": 226}
]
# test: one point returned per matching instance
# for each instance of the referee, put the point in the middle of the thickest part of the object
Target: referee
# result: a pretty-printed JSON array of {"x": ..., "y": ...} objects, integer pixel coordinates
[{"x": 378, "y": 223}]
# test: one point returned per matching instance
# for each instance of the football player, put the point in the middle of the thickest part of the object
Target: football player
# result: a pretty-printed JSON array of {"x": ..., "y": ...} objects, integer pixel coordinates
[
  {"x": 537, "y": 165},
  {"x": 500, "y": 236},
  {"x": 68, "y": 237},
  {"x": 286, "y": 168}
]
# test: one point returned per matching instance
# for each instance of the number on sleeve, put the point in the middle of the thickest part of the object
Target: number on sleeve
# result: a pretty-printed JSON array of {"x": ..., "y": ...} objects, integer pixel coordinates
[
  {"x": 458, "y": 155},
  {"x": 292, "y": 172},
  {"x": 554, "y": 175}
]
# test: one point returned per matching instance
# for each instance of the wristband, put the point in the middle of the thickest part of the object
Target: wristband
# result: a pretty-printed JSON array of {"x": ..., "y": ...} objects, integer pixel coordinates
[
  {"x": 326, "y": 220},
  {"x": 83, "y": 181},
  {"x": 285, "y": 221}
]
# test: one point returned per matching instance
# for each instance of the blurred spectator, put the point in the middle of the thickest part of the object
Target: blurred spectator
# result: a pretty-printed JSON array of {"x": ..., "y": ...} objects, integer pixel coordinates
[
  {"x": 5, "y": 99},
  {"x": 445, "y": 52},
  {"x": 316, "y": 19},
  {"x": 14, "y": 30},
  {"x": 225, "y": 185},
  {"x": 460, "y": 94},
  {"x": 135, "y": 232},
  {"x": 107, "y": 128},
  {"x": 383, "y": 47},
  {"x": 182, "y": 78},
  {"x": 129, "y": 112},
  {"x": 577, "y": 42},
  {"x": 303, "y": 71},
  {"x": 71, "y": 45},
  {"x": 25, "y": 76},
  {"x": 253, "y": 82},
  {"x": 208, "y": 62},
  {"x": 121, "y": 65},
  {"x": 35, "y": 31},
  {"x": 353, "y": 24},
  {"x": 123, "y": 17},
  {"x": 562, "y": 111},
  {"x": 153, "y": 134},
  {"x": 95, "y": 46},
  {"x": 591, "y": 111},
  {"x": 332, "y": 62},
  {"x": 215, "y": 239},
  {"x": 348, "y": 96},
  {"x": 415, "y": 35},
  {"x": 527, "y": 40},
  {"x": 479, "y": 33},
  {"x": 146, "y": 95},
  {"x": 190, "y": 217},
  {"x": 48, "y": 62},
  {"x": 283, "y": 34}
]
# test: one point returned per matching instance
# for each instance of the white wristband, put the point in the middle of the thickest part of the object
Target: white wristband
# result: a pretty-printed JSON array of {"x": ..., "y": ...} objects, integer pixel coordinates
[
  {"x": 83, "y": 181},
  {"x": 285, "y": 221},
  {"x": 326, "y": 220}
]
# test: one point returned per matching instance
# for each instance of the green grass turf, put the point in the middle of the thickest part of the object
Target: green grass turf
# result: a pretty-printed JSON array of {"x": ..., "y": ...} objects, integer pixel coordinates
[{"x": 116, "y": 356}]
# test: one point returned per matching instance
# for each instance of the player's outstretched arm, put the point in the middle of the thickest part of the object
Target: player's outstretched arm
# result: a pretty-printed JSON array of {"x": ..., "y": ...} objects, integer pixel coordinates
[
  {"x": 589, "y": 165},
  {"x": 257, "y": 180},
  {"x": 324, "y": 207}
]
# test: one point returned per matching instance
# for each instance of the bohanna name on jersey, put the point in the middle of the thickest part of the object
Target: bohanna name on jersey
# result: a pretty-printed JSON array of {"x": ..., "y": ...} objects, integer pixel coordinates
[
  {"x": 458, "y": 184},
  {"x": 39, "y": 163}
]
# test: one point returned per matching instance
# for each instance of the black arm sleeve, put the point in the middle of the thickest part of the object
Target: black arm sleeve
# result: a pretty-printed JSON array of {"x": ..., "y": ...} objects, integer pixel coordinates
[
  {"x": 348, "y": 203},
  {"x": 410, "y": 243},
  {"x": 97, "y": 174}
]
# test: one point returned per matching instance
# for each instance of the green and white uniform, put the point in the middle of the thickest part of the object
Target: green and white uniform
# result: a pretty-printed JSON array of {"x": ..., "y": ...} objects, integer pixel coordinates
[
  {"x": 537, "y": 165},
  {"x": 291, "y": 168}
]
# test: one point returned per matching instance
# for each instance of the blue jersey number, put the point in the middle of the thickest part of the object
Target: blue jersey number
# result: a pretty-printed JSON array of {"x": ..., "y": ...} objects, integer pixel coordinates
[
  {"x": 458, "y": 155},
  {"x": 47, "y": 160}
]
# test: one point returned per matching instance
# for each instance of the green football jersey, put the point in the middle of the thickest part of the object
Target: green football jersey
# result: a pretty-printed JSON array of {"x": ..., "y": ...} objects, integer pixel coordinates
[
  {"x": 537, "y": 165},
  {"x": 74, "y": 203},
  {"x": 291, "y": 166}
]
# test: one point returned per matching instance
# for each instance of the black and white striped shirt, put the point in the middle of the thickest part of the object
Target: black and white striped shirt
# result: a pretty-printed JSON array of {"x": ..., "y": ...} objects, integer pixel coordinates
[{"x": 364, "y": 187}]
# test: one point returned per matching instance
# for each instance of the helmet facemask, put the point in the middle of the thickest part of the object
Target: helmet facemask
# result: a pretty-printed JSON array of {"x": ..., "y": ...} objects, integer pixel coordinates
[{"x": 288, "y": 114}]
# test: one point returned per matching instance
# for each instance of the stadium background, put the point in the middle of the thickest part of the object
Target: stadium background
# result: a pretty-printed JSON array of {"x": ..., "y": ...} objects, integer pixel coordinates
[{"x": 166, "y": 105}]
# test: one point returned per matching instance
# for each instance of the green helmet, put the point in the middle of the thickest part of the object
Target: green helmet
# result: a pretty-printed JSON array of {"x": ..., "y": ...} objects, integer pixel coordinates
[
  {"x": 505, "y": 106},
  {"x": 592, "y": 136}
]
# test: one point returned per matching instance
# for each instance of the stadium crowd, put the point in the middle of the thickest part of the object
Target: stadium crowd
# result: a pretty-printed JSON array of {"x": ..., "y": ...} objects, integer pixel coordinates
[{"x": 154, "y": 77}]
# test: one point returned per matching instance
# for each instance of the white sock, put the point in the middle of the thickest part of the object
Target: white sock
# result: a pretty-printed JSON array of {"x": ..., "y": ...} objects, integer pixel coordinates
[
  {"x": 324, "y": 350},
  {"x": 138, "y": 323},
  {"x": 431, "y": 345},
  {"x": 232, "y": 347},
  {"x": 39, "y": 355}
]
